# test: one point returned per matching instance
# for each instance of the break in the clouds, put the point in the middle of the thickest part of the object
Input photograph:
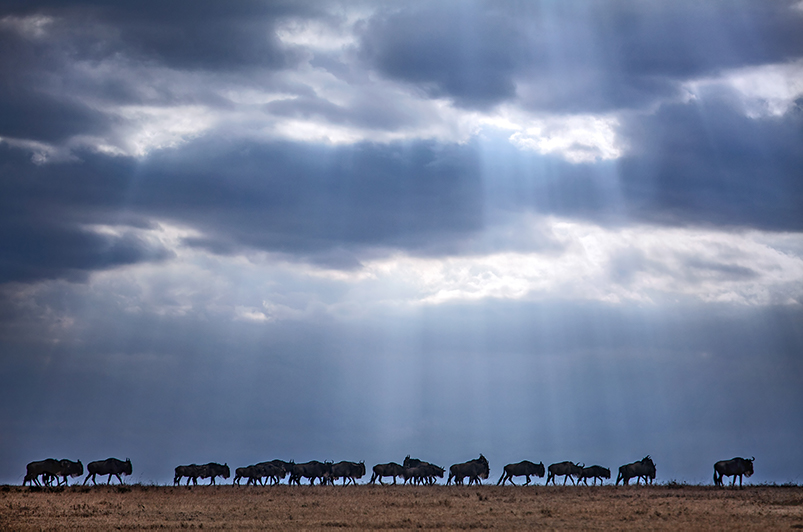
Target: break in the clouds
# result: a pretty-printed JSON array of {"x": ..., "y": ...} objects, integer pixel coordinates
[{"x": 350, "y": 230}]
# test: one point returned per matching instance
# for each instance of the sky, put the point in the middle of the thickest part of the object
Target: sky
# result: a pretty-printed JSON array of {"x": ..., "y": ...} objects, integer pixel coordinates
[{"x": 240, "y": 231}]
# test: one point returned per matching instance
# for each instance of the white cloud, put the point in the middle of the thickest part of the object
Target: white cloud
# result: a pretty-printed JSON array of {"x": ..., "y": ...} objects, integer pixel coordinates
[
  {"x": 152, "y": 127},
  {"x": 41, "y": 152},
  {"x": 765, "y": 90},
  {"x": 577, "y": 138},
  {"x": 640, "y": 264},
  {"x": 33, "y": 26}
]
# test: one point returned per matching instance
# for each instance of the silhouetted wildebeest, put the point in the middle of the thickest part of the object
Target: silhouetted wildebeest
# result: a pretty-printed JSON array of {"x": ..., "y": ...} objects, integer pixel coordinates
[
  {"x": 644, "y": 468},
  {"x": 595, "y": 472},
  {"x": 250, "y": 472},
  {"x": 255, "y": 473},
  {"x": 733, "y": 468},
  {"x": 311, "y": 470},
  {"x": 47, "y": 469},
  {"x": 525, "y": 468},
  {"x": 192, "y": 472},
  {"x": 473, "y": 469},
  {"x": 567, "y": 470},
  {"x": 110, "y": 466},
  {"x": 347, "y": 471},
  {"x": 420, "y": 471},
  {"x": 387, "y": 470},
  {"x": 212, "y": 470},
  {"x": 62, "y": 468},
  {"x": 275, "y": 470},
  {"x": 423, "y": 473}
]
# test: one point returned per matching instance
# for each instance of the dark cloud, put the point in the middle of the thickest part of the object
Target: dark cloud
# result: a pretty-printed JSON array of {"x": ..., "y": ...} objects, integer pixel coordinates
[
  {"x": 314, "y": 199},
  {"x": 44, "y": 219},
  {"x": 706, "y": 162},
  {"x": 183, "y": 35},
  {"x": 316, "y": 202},
  {"x": 574, "y": 56},
  {"x": 461, "y": 53}
]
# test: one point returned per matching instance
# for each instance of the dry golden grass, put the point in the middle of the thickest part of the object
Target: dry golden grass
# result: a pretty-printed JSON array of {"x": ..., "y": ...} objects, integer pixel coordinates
[{"x": 401, "y": 507}]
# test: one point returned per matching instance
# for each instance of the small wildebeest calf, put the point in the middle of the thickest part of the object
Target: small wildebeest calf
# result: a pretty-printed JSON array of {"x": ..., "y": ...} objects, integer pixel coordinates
[
  {"x": 110, "y": 466},
  {"x": 525, "y": 468},
  {"x": 733, "y": 468}
]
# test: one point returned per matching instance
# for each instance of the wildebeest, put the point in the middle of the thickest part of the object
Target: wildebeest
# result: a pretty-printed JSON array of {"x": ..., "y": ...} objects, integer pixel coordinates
[
  {"x": 644, "y": 468},
  {"x": 53, "y": 469},
  {"x": 275, "y": 470},
  {"x": 213, "y": 469},
  {"x": 473, "y": 469},
  {"x": 47, "y": 469},
  {"x": 110, "y": 466},
  {"x": 192, "y": 472},
  {"x": 422, "y": 473},
  {"x": 567, "y": 470},
  {"x": 733, "y": 468},
  {"x": 252, "y": 473},
  {"x": 391, "y": 469},
  {"x": 311, "y": 470},
  {"x": 595, "y": 472},
  {"x": 525, "y": 468},
  {"x": 347, "y": 471}
]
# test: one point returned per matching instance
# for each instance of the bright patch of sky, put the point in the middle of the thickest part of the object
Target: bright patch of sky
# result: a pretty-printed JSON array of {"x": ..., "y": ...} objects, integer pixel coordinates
[{"x": 639, "y": 265}]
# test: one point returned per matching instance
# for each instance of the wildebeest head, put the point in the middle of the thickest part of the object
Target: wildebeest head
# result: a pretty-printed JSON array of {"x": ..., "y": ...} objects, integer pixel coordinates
[
  {"x": 127, "y": 469},
  {"x": 226, "y": 471},
  {"x": 650, "y": 465},
  {"x": 74, "y": 469},
  {"x": 486, "y": 468},
  {"x": 748, "y": 467}
]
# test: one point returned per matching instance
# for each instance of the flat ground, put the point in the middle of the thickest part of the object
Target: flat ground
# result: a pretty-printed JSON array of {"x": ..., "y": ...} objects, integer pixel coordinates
[{"x": 402, "y": 507}]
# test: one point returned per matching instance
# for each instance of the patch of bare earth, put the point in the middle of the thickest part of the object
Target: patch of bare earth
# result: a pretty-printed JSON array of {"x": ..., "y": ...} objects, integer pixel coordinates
[{"x": 401, "y": 507}]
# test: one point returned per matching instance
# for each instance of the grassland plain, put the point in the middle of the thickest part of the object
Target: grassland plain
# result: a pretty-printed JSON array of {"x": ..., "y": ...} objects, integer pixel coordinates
[{"x": 135, "y": 507}]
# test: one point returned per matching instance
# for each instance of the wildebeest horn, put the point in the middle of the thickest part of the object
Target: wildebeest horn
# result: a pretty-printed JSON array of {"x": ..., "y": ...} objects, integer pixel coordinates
[{"x": 752, "y": 459}]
